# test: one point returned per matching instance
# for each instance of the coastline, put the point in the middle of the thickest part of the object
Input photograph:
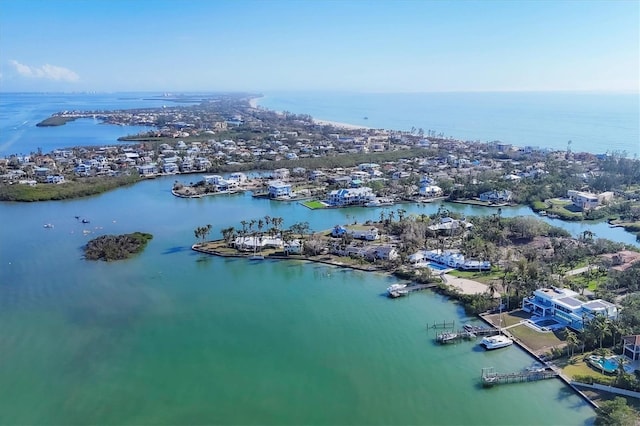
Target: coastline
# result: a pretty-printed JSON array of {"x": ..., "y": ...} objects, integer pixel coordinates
[
  {"x": 337, "y": 124},
  {"x": 253, "y": 103}
]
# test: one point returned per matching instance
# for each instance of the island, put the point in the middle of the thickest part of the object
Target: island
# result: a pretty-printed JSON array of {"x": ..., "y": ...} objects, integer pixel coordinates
[{"x": 116, "y": 247}]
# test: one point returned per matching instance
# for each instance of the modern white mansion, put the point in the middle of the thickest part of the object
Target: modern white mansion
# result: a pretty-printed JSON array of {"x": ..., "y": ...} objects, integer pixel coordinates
[{"x": 562, "y": 305}]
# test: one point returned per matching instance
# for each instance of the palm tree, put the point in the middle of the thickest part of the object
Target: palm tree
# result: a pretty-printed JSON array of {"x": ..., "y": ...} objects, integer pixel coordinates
[
  {"x": 572, "y": 340},
  {"x": 600, "y": 326}
]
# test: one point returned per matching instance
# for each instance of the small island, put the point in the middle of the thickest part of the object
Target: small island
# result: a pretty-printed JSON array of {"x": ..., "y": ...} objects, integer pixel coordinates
[{"x": 116, "y": 247}]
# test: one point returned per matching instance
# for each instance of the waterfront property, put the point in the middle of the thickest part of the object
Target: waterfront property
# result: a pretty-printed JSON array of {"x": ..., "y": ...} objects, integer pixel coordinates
[
  {"x": 495, "y": 196},
  {"x": 588, "y": 200},
  {"x": 450, "y": 259},
  {"x": 351, "y": 196},
  {"x": 279, "y": 189},
  {"x": 562, "y": 304},
  {"x": 631, "y": 347},
  {"x": 369, "y": 233}
]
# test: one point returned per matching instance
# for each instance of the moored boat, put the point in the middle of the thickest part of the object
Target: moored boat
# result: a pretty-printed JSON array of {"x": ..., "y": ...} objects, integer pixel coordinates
[{"x": 496, "y": 342}]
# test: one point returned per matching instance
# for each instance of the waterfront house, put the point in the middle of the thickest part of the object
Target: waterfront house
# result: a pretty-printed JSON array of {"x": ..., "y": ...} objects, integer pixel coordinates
[
  {"x": 382, "y": 252},
  {"x": 563, "y": 305},
  {"x": 148, "y": 169},
  {"x": 495, "y": 196},
  {"x": 369, "y": 234},
  {"x": 351, "y": 196},
  {"x": 430, "y": 191},
  {"x": 631, "y": 347},
  {"x": 588, "y": 200},
  {"x": 449, "y": 258},
  {"x": 279, "y": 189},
  {"x": 55, "y": 179},
  {"x": 293, "y": 247}
]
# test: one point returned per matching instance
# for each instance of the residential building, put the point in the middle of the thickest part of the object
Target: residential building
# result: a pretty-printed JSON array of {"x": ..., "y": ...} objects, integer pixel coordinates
[
  {"x": 563, "y": 305},
  {"x": 369, "y": 234},
  {"x": 631, "y": 347},
  {"x": 495, "y": 196},
  {"x": 279, "y": 189},
  {"x": 351, "y": 196},
  {"x": 588, "y": 200}
]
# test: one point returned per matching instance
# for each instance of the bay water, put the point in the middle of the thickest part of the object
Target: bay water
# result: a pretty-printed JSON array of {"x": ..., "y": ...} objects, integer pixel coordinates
[{"x": 176, "y": 337}]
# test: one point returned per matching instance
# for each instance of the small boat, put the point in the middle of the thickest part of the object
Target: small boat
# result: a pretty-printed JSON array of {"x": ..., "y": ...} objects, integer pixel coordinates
[
  {"x": 447, "y": 337},
  {"x": 395, "y": 287},
  {"x": 496, "y": 342},
  {"x": 256, "y": 257},
  {"x": 48, "y": 225},
  {"x": 85, "y": 220}
]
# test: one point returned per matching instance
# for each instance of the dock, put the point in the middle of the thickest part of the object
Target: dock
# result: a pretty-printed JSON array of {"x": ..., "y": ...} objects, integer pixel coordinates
[
  {"x": 409, "y": 289},
  {"x": 491, "y": 378},
  {"x": 455, "y": 336}
]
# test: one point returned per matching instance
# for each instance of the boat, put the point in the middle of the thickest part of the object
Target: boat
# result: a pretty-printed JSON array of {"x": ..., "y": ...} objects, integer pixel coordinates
[
  {"x": 395, "y": 288},
  {"x": 48, "y": 225},
  {"x": 496, "y": 342},
  {"x": 85, "y": 220},
  {"x": 447, "y": 337},
  {"x": 256, "y": 257}
]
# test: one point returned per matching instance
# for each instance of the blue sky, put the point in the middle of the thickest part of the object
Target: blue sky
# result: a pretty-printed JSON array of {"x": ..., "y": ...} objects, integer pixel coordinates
[{"x": 368, "y": 46}]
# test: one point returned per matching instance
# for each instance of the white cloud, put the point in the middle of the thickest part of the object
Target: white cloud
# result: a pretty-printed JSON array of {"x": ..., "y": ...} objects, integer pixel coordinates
[{"x": 47, "y": 71}]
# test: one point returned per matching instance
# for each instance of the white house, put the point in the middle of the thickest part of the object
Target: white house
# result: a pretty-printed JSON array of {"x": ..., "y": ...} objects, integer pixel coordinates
[
  {"x": 279, "y": 189},
  {"x": 293, "y": 247},
  {"x": 369, "y": 234},
  {"x": 351, "y": 196},
  {"x": 562, "y": 305},
  {"x": 450, "y": 224},
  {"x": 632, "y": 347},
  {"x": 496, "y": 196},
  {"x": 588, "y": 200},
  {"x": 430, "y": 191},
  {"x": 449, "y": 258}
]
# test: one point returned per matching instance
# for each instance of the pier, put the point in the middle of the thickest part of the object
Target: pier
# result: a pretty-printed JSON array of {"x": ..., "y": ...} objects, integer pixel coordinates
[
  {"x": 409, "y": 289},
  {"x": 454, "y": 337},
  {"x": 491, "y": 378}
]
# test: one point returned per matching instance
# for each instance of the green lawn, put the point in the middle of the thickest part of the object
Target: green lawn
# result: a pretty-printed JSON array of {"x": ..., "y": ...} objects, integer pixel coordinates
[{"x": 314, "y": 204}]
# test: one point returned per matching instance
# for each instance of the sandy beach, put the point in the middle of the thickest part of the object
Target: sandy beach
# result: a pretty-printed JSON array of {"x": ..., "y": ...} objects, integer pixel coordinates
[
  {"x": 339, "y": 125},
  {"x": 253, "y": 102}
]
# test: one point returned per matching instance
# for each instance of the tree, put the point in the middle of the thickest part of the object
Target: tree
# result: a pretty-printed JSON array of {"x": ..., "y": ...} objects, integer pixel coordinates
[
  {"x": 572, "y": 340},
  {"x": 616, "y": 412}
]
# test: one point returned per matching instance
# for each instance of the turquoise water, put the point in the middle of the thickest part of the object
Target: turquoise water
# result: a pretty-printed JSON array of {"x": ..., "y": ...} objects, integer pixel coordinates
[
  {"x": 175, "y": 337},
  {"x": 593, "y": 122}
]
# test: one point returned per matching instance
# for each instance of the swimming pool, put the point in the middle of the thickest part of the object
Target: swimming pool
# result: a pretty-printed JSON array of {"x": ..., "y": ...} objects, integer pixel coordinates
[{"x": 609, "y": 364}]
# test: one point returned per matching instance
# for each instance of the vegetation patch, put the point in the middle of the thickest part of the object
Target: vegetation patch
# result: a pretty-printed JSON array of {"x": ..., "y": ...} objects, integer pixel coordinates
[
  {"x": 314, "y": 204},
  {"x": 116, "y": 247},
  {"x": 80, "y": 187},
  {"x": 55, "y": 120}
]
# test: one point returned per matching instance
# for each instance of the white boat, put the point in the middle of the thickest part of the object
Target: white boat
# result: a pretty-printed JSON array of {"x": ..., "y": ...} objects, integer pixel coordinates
[
  {"x": 256, "y": 257},
  {"x": 48, "y": 225},
  {"x": 395, "y": 287},
  {"x": 496, "y": 342}
]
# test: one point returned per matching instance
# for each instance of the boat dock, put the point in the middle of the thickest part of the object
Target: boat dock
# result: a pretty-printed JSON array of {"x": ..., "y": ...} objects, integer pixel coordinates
[
  {"x": 409, "y": 289},
  {"x": 455, "y": 336},
  {"x": 491, "y": 378}
]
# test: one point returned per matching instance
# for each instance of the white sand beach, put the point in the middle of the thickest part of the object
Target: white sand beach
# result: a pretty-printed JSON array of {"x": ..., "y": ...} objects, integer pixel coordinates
[
  {"x": 253, "y": 102},
  {"x": 346, "y": 126}
]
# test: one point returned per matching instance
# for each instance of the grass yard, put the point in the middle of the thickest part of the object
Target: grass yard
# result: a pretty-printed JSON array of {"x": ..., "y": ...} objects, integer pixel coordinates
[
  {"x": 314, "y": 204},
  {"x": 535, "y": 340}
]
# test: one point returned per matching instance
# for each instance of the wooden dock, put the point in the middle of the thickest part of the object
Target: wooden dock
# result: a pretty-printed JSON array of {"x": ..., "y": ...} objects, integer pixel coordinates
[
  {"x": 409, "y": 289},
  {"x": 454, "y": 336},
  {"x": 491, "y": 378}
]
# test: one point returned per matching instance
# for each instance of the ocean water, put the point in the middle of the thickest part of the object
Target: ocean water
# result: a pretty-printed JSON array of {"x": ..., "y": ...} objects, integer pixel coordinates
[
  {"x": 175, "y": 337},
  {"x": 596, "y": 123}
]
